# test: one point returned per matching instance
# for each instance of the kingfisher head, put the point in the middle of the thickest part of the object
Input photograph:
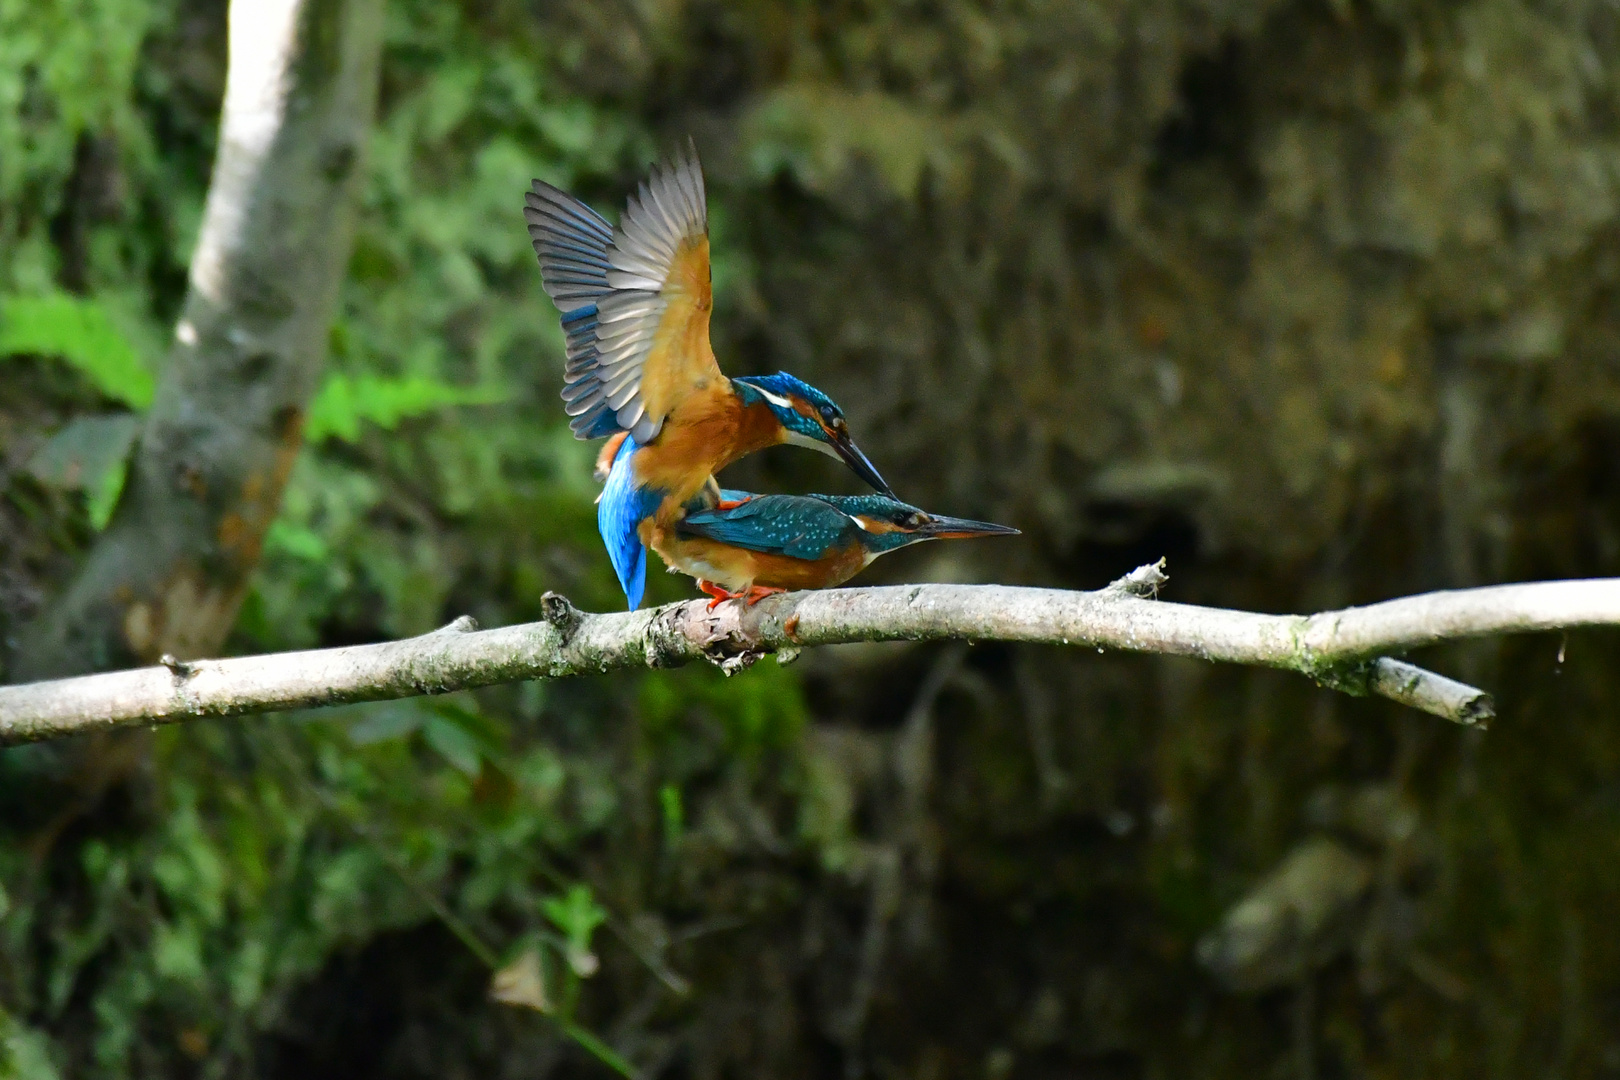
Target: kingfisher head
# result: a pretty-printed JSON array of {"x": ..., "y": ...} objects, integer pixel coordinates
[
  {"x": 809, "y": 418},
  {"x": 887, "y": 524}
]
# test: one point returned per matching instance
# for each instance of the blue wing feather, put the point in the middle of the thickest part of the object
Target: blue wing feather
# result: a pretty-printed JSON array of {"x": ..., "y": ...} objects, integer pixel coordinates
[
  {"x": 797, "y": 526},
  {"x": 598, "y": 423},
  {"x": 619, "y": 512},
  {"x": 609, "y": 285},
  {"x": 571, "y": 241}
]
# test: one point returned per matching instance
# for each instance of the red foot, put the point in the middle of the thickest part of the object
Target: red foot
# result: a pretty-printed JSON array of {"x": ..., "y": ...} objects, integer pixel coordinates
[
  {"x": 715, "y": 591},
  {"x": 730, "y": 504},
  {"x": 751, "y": 595}
]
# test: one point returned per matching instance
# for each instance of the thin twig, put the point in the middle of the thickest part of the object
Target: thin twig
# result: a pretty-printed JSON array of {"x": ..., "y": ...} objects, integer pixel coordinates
[
  {"x": 1337, "y": 648},
  {"x": 1412, "y": 685}
]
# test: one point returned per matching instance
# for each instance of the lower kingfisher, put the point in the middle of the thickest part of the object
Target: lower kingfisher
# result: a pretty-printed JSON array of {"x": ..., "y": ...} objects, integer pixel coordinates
[
  {"x": 635, "y": 302},
  {"x": 750, "y": 546}
]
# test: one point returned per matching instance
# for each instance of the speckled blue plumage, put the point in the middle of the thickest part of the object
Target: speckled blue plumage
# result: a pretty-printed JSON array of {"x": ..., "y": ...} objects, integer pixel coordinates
[
  {"x": 814, "y": 527},
  {"x": 878, "y": 506},
  {"x": 619, "y": 512},
  {"x": 791, "y": 525}
]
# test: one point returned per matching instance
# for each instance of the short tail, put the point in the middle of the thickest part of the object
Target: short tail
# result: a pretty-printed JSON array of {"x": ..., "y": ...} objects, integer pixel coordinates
[{"x": 619, "y": 514}]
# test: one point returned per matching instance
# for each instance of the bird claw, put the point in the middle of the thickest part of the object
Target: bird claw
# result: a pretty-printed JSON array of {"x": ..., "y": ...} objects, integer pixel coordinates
[
  {"x": 716, "y": 592},
  {"x": 751, "y": 595}
]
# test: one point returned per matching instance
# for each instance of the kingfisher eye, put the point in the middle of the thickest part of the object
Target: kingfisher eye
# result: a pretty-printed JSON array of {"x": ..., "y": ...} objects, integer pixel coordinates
[{"x": 829, "y": 413}]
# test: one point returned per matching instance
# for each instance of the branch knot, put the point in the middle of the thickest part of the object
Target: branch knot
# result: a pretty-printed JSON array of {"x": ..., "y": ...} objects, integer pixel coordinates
[
  {"x": 1145, "y": 581},
  {"x": 558, "y": 612},
  {"x": 461, "y": 624},
  {"x": 178, "y": 668}
]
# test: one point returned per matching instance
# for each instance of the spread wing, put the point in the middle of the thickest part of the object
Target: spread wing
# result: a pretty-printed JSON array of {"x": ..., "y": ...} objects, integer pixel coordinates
[
  {"x": 639, "y": 325},
  {"x": 572, "y": 243},
  {"x": 793, "y": 525}
]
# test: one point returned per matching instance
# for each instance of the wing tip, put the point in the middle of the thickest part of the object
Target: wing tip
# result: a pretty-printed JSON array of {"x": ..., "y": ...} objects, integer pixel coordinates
[
  {"x": 669, "y": 205},
  {"x": 547, "y": 206}
]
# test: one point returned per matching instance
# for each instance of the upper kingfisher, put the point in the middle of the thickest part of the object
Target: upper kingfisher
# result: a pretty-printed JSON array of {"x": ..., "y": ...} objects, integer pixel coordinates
[
  {"x": 750, "y": 546},
  {"x": 635, "y": 302}
]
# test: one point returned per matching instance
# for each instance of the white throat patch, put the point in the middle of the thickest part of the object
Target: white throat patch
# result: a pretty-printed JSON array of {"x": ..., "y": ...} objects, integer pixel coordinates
[{"x": 794, "y": 438}]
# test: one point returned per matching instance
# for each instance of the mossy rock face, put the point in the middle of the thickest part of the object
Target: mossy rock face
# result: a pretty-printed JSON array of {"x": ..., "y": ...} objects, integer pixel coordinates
[
  {"x": 1315, "y": 299},
  {"x": 1242, "y": 269}
]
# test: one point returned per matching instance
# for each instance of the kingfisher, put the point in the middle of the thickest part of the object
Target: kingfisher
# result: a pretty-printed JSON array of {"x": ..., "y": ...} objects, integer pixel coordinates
[
  {"x": 635, "y": 302},
  {"x": 749, "y": 546}
]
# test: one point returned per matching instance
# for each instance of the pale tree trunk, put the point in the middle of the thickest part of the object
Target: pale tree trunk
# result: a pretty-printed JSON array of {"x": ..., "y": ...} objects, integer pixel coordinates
[{"x": 169, "y": 573}]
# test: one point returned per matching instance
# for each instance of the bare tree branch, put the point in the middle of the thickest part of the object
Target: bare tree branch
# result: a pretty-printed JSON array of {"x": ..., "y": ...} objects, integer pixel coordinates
[
  {"x": 1341, "y": 649},
  {"x": 169, "y": 573},
  {"x": 1412, "y": 685}
]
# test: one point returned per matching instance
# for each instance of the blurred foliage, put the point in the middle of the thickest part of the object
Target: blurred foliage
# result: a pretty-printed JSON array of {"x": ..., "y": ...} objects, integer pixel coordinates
[
  {"x": 79, "y": 332},
  {"x": 253, "y": 855},
  {"x": 1315, "y": 298},
  {"x": 344, "y": 403}
]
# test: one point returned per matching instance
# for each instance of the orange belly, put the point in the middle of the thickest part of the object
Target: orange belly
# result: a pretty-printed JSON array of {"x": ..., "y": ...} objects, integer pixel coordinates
[
  {"x": 708, "y": 431},
  {"x": 736, "y": 569}
]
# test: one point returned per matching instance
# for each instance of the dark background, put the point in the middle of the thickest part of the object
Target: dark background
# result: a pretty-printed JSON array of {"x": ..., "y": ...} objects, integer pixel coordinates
[{"x": 1317, "y": 298}]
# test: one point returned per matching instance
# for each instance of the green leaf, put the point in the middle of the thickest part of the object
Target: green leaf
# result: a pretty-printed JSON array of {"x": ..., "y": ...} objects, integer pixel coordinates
[
  {"x": 386, "y": 720},
  {"x": 80, "y": 332},
  {"x": 577, "y": 914},
  {"x": 345, "y": 402},
  {"x": 102, "y": 496},
  {"x": 455, "y": 742},
  {"x": 25, "y": 1053},
  {"x": 296, "y": 540},
  {"x": 669, "y": 797},
  {"x": 88, "y": 454}
]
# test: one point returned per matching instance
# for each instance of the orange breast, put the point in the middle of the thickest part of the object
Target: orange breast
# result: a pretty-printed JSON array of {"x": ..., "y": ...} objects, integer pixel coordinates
[
  {"x": 708, "y": 431},
  {"x": 737, "y": 568},
  {"x": 781, "y": 572}
]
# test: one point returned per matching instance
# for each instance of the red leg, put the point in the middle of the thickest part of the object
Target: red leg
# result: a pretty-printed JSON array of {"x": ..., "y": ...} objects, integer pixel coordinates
[
  {"x": 756, "y": 593},
  {"x": 730, "y": 504},
  {"x": 715, "y": 591}
]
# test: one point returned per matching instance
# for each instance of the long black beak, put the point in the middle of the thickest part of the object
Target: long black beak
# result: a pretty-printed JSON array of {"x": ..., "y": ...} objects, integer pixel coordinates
[
  {"x": 949, "y": 528},
  {"x": 845, "y": 448}
]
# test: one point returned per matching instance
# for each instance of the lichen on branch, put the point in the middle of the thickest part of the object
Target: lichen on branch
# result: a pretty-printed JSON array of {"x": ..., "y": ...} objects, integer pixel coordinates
[{"x": 569, "y": 642}]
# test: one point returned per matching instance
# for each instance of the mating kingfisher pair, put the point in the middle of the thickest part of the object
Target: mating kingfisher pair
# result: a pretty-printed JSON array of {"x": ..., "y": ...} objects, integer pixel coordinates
[{"x": 635, "y": 302}]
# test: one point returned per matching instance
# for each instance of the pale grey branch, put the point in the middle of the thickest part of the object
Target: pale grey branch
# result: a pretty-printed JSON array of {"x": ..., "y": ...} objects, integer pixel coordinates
[
  {"x": 1342, "y": 649},
  {"x": 1412, "y": 685}
]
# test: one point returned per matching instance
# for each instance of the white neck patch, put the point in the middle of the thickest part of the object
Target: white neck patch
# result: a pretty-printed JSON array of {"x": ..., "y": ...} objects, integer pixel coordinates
[{"x": 775, "y": 399}]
